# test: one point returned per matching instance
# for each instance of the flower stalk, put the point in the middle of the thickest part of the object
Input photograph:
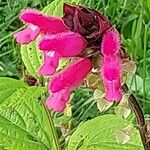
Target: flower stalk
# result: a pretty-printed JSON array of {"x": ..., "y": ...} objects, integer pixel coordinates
[
  {"x": 52, "y": 126},
  {"x": 141, "y": 123}
]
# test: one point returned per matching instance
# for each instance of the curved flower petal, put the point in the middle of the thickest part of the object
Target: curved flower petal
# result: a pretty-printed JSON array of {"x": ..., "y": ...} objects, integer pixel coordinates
[
  {"x": 45, "y": 23},
  {"x": 111, "y": 74},
  {"x": 66, "y": 43},
  {"x": 27, "y": 35},
  {"x": 58, "y": 100},
  {"x": 71, "y": 76},
  {"x": 110, "y": 43},
  {"x": 51, "y": 60}
]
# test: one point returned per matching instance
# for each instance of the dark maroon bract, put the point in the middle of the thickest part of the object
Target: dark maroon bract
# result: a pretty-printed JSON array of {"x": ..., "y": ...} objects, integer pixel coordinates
[{"x": 87, "y": 22}]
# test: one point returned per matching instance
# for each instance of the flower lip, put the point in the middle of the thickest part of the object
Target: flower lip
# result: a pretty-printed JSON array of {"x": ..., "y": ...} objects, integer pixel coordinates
[
  {"x": 57, "y": 101},
  {"x": 51, "y": 60},
  {"x": 27, "y": 35}
]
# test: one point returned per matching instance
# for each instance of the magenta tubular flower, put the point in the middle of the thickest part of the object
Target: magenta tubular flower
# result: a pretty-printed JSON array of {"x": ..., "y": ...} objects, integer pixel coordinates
[
  {"x": 110, "y": 45},
  {"x": 47, "y": 24},
  {"x": 111, "y": 74},
  {"x": 38, "y": 23},
  {"x": 82, "y": 32},
  {"x": 66, "y": 81},
  {"x": 67, "y": 44},
  {"x": 51, "y": 60},
  {"x": 71, "y": 76},
  {"x": 111, "y": 65}
]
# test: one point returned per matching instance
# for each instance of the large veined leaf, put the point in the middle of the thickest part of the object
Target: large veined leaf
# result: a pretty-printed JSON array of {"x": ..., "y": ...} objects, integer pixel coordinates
[
  {"x": 100, "y": 134},
  {"x": 14, "y": 92},
  {"x": 25, "y": 126},
  {"x": 10, "y": 88}
]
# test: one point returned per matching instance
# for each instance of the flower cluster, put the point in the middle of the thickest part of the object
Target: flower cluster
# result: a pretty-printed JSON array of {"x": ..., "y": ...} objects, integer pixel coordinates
[{"x": 78, "y": 31}]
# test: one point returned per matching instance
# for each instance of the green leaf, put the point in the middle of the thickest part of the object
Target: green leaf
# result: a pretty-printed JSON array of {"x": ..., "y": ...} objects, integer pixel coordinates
[
  {"x": 100, "y": 134},
  {"x": 31, "y": 57},
  {"x": 123, "y": 108},
  {"x": 14, "y": 92},
  {"x": 25, "y": 126},
  {"x": 56, "y": 7},
  {"x": 10, "y": 88}
]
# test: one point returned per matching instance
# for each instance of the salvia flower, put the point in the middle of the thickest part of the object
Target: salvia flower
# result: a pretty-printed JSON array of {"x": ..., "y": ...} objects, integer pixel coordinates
[
  {"x": 111, "y": 65},
  {"x": 63, "y": 83},
  {"x": 80, "y": 33}
]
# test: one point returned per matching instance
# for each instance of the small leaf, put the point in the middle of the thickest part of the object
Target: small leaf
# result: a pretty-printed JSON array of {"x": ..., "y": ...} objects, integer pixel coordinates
[
  {"x": 123, "y": 135},
  {"x": 122, "y": 111},
  {"x": 123, "y": 108},
  {"x": 129, "y": 67},
  {"x": 98, "y": 94},
  {"x": 103, "y": 104},
  {"x": 68, "y": 110},
  {"x": 92, "y": 81}
]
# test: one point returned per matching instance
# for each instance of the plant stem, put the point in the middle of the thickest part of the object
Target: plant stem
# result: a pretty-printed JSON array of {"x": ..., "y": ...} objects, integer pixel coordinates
[
  {"x": 52, "y": 126},
  {"x": 139, "y": 117}
]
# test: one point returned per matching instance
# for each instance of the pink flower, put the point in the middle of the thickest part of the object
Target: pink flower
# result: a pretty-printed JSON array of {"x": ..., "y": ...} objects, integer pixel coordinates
[
  {"x": 51, "y": 60},
  {"x": 38, "y": 23},
  {"x": 111, "y": 74},
  {"x": 66, "y": 43},
  {"x": 58, "y": 100},
  {"x": 110, "y": 43},
  {"x": 66, "y": 81},
  {"x": 47, "y": 24},
  {"x": 27, "y": 35},
  {"x": 58, "y": 40},
  {"x": 111, "y": 65},
  {"x": 71, "y": 76}
]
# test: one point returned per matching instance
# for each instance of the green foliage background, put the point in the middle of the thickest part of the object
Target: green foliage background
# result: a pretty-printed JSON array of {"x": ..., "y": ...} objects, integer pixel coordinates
[{"x": 24, "y": 124}]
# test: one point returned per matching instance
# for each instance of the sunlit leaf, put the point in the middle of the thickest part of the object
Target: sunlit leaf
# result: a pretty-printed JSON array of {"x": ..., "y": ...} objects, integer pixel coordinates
[{"x": 100, "y": 134}]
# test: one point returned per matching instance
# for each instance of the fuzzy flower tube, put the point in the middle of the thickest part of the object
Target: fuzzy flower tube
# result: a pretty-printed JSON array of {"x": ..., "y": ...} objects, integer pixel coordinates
[
  {"x": 111, "y": 65},
  {"x": 81, "y": 33},
  {"x": 63, "y": 83}
]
